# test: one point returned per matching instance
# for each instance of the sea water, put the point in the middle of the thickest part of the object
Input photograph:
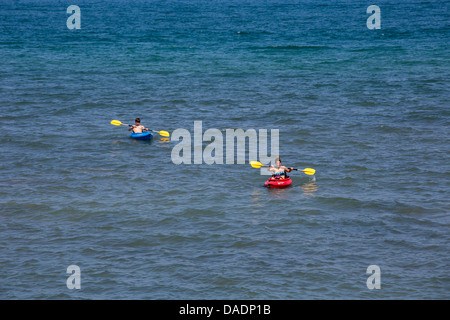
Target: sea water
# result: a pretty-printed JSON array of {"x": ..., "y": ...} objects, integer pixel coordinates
[{"x": 368, "y": 109}]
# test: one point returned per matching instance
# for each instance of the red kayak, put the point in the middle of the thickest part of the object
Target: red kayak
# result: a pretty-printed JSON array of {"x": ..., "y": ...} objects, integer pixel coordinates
[{"x": 278, "y": 183}]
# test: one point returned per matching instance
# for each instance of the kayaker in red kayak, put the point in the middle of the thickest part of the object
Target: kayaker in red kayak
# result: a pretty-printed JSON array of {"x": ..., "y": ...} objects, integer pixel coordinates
[
  {"x": 279, "y": 171},
  {"x": 137, "y": 128}
]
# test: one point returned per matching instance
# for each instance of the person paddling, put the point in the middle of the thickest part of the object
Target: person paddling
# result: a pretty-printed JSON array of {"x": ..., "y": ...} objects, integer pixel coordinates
[
  {"x": 279, "y": 171},
  {"x": 137, "y": 127}
]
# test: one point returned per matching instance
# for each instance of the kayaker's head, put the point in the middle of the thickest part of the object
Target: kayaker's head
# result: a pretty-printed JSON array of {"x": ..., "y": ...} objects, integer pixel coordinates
[
  {"x": 138, "y": 121},
  {"x": 278, "y": 161}
]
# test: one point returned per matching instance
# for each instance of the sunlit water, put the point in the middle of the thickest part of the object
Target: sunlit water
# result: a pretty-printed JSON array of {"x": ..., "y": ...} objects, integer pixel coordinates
[{"x": 367, "y": 109}]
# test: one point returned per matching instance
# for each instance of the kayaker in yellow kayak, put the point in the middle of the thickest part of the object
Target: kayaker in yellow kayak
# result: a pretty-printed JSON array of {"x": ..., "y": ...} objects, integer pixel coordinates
[
  {"x": 279, "y": 171},
  {"x": 137, "y": 128}
]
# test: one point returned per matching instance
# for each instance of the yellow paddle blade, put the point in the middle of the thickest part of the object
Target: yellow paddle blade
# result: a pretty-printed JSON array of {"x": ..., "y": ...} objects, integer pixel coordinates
[
  {"x": 309, "y": 171},
  {"x": 116, "y": 123},
  {"x": 163, "y": 133},
  {"x": 256, "y": 164}
]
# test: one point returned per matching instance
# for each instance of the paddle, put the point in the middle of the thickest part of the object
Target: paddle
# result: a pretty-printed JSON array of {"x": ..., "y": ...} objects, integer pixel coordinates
[
  {"x": 257, "y": 164},
  {"x": 118, "y": 123}
]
